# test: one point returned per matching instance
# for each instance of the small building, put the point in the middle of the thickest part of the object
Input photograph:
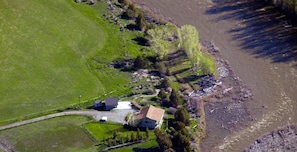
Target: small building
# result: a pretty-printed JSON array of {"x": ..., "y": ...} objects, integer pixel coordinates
[
  {"x": 111, "y": 103},
  {"x": 98, "y": 104},
  {"x": 149, "y": 117}
]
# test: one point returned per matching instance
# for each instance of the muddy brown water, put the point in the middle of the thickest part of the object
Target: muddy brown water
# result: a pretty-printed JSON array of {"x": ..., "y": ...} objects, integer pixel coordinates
[{"x": 260, "y": 45}]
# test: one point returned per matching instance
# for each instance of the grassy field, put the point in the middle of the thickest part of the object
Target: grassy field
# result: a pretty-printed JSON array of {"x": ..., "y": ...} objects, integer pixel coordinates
[
  {"x": 54, "y": 51},
  {"x": 57, "y": 134}
]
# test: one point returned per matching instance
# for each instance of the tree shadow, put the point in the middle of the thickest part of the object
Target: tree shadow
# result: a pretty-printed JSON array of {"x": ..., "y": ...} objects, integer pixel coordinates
[
  {"x": 263, "y": 30},
  {"x": 176, "y": 57},
  {"x": 190, "y": 78},
  {"x": 132, "y": 27},
  {"x": 141, "y": 41}
]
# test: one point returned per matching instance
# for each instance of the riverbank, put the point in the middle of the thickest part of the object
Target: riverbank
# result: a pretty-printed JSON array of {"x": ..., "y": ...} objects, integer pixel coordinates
[
  {"x": 225, "y": 96},
  {"x": 251, "y": 36}
]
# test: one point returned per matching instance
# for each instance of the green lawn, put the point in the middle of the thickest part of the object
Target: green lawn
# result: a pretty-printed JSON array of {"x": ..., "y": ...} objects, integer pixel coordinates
[
  {"x": 53, "y": 51},
  {"x": 57, "y": 134},
  {"x": 102, "y": 131}
]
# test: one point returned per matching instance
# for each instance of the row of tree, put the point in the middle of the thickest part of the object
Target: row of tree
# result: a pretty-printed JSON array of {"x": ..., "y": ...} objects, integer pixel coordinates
[
  {"x": 177, "y": 137},
  {"x": 165, "y": 39},
  {"x": 133, "y": 13},
  {"x": 117, "y": 139}
]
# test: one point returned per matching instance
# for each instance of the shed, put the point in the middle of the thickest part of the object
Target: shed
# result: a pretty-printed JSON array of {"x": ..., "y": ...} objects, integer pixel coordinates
[{"x": 111, "y": 103}]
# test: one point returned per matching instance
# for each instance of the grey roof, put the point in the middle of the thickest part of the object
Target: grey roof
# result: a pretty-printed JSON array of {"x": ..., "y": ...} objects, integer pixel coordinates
[
  {"x": 97, "y": 101},
  {"x": 111, "y": 101}
]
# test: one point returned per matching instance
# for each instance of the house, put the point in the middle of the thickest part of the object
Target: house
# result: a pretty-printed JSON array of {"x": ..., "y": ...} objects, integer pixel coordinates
[
  {"x": 149, "y": 117},
  {"x": 111, "y": 103},
  {"x": 98, "y": 104}
]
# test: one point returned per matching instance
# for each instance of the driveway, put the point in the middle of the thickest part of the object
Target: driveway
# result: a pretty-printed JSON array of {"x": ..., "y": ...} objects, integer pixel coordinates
[{"x": 118, "y": 114}]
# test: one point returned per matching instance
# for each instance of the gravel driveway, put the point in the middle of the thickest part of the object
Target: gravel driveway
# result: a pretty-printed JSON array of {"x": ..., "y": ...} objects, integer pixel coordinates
[{"x": 118, "y": 114}]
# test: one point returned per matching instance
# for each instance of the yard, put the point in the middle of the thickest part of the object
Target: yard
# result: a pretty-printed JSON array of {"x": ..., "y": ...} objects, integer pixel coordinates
[
  {"x": 57, "y": 134},
  {"x": 103, "y": 131},
  {"x": 56, "y": 54}
]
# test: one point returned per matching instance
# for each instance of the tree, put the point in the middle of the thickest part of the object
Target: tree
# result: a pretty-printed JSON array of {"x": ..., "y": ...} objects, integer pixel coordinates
[
  {"x": 175, "y": 99},
  {"x": 132, "y": 11},
  {"x": 165, "y": 83},
  {"x": 132, "y": 137},
  {"x": 141, "y": 22},
  {"x": 182, "y": 115},
  {"x": 163, "y": 139},
  {"x": 138, "y": 136},
  {"x": 178, "y": 125},
  {"x": 139, "y": 62},
  {"x": 161, "y": 68},
  {"x": 159, "y": 37},
  {"x": 147, "y": 132},
  {"x": 168, "y": 72},
  {"x": 115, "y": 134},
  {"x": 162, "y": 94},
  {"x": 127, "y": 138},
  {"x": 181, "y": 142},
  {"x": 190, "y": 43}
]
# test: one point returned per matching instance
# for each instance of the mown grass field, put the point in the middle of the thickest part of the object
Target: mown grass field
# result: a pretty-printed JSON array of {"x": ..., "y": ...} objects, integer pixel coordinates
[
  {"x": 54, "y": 51},
  {"x": 57, "y": 134}
]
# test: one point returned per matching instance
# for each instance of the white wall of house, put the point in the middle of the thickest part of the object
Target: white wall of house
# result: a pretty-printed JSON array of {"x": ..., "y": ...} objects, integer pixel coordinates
[{"x": 160, "y": 122}]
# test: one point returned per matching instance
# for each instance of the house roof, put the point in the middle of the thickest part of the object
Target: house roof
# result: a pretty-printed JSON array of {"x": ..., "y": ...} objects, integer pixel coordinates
[
  {"x": 151, "y": 112},
  {"x": 111, "y": 101}
]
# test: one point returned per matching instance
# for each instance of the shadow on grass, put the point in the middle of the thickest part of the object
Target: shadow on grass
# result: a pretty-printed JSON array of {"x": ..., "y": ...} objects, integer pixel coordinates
[
  {"x": 141, "y": 41},
  {"x": 263, "y": 30}
]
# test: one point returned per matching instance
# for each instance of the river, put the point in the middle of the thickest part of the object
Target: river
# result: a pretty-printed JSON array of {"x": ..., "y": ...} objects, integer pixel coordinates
[{"x": 259, "y": 44}]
